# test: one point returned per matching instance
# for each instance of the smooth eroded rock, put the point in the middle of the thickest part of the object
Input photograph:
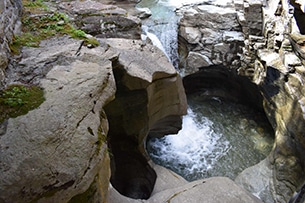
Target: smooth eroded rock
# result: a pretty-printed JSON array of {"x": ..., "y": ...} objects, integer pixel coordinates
[{"x": 56, "y": 151}]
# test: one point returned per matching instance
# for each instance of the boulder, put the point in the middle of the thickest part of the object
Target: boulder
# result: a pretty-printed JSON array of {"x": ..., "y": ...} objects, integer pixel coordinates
[
  {"x": 257, "y": 180},
  {"x": 170, "y": 187},
  {"x": 58, "y": 150},
  {"x": 102, "y": 20},
  {"x": 215, "y": 189}
]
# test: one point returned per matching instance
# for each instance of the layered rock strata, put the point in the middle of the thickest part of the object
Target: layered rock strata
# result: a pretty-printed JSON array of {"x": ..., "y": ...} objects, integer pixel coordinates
[
  {"x": 211, "y": 34},
  {"x": 262, "y": 41},
  {"x": 10, "y": 12}
]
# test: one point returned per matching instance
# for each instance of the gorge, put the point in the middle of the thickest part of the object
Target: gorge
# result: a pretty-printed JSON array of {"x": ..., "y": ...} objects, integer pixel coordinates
[{"x": 86, "y": 142}]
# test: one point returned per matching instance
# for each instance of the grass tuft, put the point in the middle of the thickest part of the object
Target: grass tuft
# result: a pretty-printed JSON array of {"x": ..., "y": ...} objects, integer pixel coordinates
[
  {"x": 40, "y": 24},
  {"x": 17, "y": 100}
]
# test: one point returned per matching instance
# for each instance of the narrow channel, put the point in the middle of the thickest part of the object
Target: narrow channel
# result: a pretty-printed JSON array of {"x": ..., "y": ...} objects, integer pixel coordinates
[{"x": 218, "y": 137}]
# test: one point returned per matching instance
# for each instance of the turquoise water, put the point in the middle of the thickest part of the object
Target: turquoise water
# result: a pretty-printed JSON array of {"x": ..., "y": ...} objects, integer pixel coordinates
[{"x": 217, "y": 139}]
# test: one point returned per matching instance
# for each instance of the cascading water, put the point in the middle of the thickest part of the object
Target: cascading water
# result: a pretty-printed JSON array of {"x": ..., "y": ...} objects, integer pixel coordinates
[
  {"x": 161, "y": 28},
  {"x": 217, "y": 138}
]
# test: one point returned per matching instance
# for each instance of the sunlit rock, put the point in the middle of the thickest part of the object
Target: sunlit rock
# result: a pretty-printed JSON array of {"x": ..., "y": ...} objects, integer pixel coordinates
[
  {"x": 58, "y": 150},
  {"x": 212, "y": 31},
  {"x": 102, "y": 20},
  {"x": 171, "y": 187}
]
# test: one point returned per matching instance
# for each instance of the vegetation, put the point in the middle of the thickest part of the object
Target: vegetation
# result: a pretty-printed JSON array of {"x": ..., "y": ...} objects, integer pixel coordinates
[
  {"x": 17, "y": 100},
  {"x": 34, "y": 4},
  {"x": 88, "y": 195},
  {"x": 39, "y": 24}
]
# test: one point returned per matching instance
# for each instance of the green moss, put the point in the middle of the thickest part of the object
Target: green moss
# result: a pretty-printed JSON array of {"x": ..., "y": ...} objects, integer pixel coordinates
[
  {"x": 102, "y": 137},
  {"x": 34, "y": 4},
  {"x": 44, "y": 25},
  {"x": 77, "y": 33},
  {"x": 92, "y": 41},
  {"x": 17, "y": 100}
]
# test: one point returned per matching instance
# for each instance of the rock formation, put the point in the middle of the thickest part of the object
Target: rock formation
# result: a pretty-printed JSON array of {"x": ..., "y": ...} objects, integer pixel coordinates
[
  {"x": 102, "y": 103},
  {"x": 171, "y": 187},
  {"x": 104, "y": 21},
  {"x": 261, "y": 41},
  {"x": 149, "y": 93},
  {"x": 58, "y": 150},
  {"x": 10, "y": 11}
]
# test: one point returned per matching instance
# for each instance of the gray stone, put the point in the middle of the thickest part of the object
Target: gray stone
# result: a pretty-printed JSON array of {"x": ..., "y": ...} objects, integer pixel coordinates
[
  {"x": 9, "y": 25},
  {"x": 191, "y": 34},
  {"x": 104, "y": 20},
  {"x": 166, "y": 179},
  {"x": 170, "y": 187},
  {"x": 195, "y": 61},
  {"x": 141, "y": 63},
  {"x": 256, "y": 180},
  {"x": 144, "y": 13},
  {"x": 206, "y": 190},
  {"x": 57, "y": 150},
  {"x": 213, "y": 31}
]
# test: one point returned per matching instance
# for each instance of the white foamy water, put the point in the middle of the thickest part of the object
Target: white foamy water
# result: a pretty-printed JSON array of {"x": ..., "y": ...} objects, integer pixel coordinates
[
  {"x": 154, "y": 39},
  {"x": 162, "y": 27},
  {"x": 193, "y": 151},
  {"x": 180, "y": 3}
]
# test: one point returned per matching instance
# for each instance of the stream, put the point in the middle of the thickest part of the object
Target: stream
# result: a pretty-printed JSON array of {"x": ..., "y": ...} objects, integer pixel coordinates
[{"x": 217, "y": 138}]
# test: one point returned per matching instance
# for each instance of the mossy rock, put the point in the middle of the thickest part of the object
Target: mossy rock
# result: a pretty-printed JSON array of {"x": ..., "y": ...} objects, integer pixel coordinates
[
  {"x": 18, "y": 100},
  {"x": 39, "y": 23}
]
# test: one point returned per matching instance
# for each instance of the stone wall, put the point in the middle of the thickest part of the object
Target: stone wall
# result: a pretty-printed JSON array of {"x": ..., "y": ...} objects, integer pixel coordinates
[
  {"x": 278, "y": 68},
  {"x": 211, "y": 35},
  {"x": 10, "y": 12}
]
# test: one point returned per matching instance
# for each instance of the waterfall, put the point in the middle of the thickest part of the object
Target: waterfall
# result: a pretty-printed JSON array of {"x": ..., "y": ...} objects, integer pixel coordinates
[
  {"x": 155, "y": 40},
  {"x": 162, "y": 28}
]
